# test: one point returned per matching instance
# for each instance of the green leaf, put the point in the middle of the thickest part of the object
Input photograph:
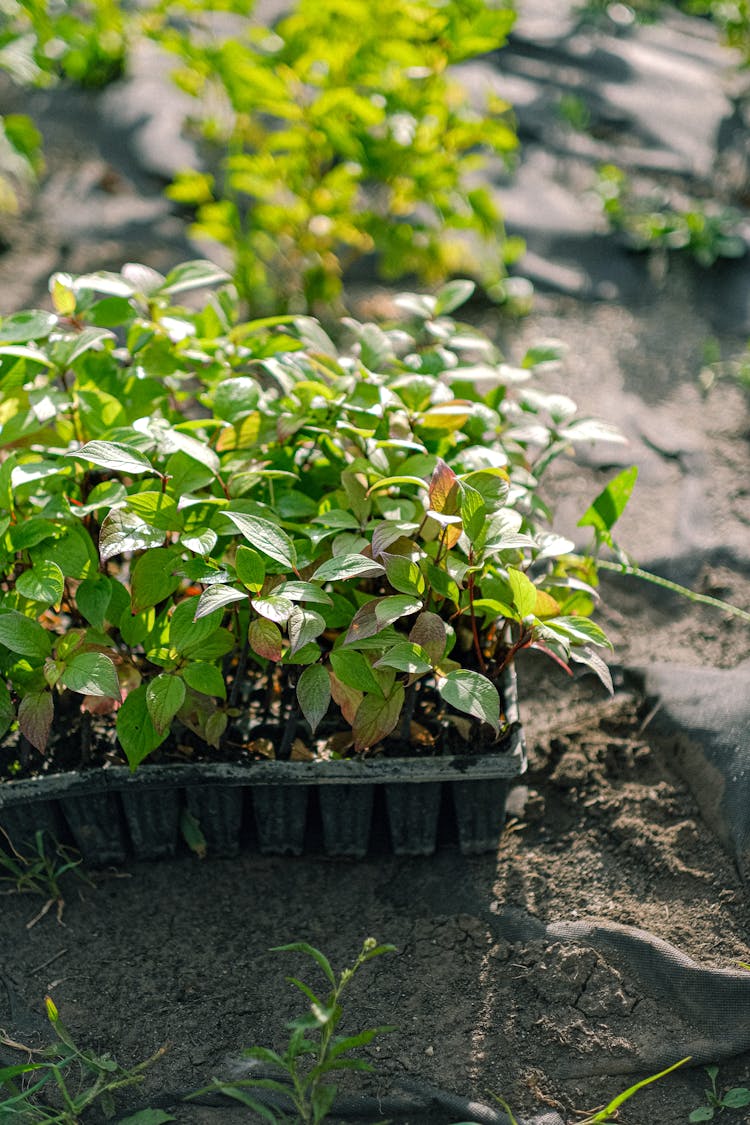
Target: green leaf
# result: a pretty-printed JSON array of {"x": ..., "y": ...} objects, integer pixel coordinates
[
  {"x": 703, "y": 1113},
  {"x": 217, "y": 596},
  {"x": 137, "y": 734},
  {"x": 124, "y": 531},
  {"x": 375, "y": 615},
  {"x": 473, "y": 694},
  {"x": 251, "y": 570},
  {"x": 610, "y": 503},
  {"x": 206, "y": 678},
  {"x": 190, "y": 829},
  {"x": 354, "y": 669},
  {"x": 266, "y": 538},
  {"x": 156, "y": 508},
  {"x": 736, "y": 1098},
  {"x": 473, "y": 513},
  {"x": 153, "y": 579},
  {"x": 185, "y": 632},
  {"x": 303, "y": 626},
  {"x": 92, "y": 599},
  {"x": 164, "y": 697},
  {"x": 35, "y": 714},
  {"x": 265, "y": 638},
  {"x": 524, "y": 592},
  {"x": 376, "y": 717},
  {"x": 153, "y": 1116},
  {"x": 43, "y": 583},
  {"x": 404, "y": 575},
  {"x": 23, "y": 636},
  {"x": 302, "y": 592},
  {"x": 274, "y": 608},
  {"x": 7, "y": 710},
  {"x": 198, "y": 274},
  {"x": 453, "y": 295},
  {"x": 405, "y": 657},
  {"x": 341, "y": 567},
  {"x": 113, "y": 455},
  {"x": 92, "y": 673},
  {"x": 32, "y": 324},
  {"x": 314, "y": 694}
]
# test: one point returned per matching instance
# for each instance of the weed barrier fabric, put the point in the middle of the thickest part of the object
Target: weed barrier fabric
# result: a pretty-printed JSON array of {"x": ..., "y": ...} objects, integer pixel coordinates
[{"x": 713, "y": 1004}]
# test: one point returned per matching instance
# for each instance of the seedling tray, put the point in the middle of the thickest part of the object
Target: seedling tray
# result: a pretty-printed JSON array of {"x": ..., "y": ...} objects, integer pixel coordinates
[{"x": 345, "y": 807}]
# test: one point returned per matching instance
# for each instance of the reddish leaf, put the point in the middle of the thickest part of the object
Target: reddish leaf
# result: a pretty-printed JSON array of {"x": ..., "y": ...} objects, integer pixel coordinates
[
  {"x": 376, "y": 717},
  {"x": 35, "y": 714},
  {"x": 265, "y": 638},
  {"x": 444, "y": 489},
  {"x": 429, "y": 632}
]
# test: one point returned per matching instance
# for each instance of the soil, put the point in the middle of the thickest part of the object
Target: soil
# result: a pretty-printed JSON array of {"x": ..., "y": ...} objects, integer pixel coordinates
[{"x": 600, "y": 827}]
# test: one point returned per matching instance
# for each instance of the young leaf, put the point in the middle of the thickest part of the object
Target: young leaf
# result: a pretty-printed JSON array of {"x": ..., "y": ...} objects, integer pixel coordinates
[
  {"x": 378, "y": 613},
  {"x": 404, "y": 575},
  {"x": 115, "y": 456},
  {"x": 443, "y": 490},
  {"x": 153, "y": 579},
  {"x": 376, "y": 717},
  {"x": 453, "y": 295},
  {"x": 185, "y": 632},
  {"x": 124, "y": 531},
  {"x": 341, "y": 567},
  {"x": 524, "y": 592},
  {"x": 198, "y": 274},
  {"x": 429, "y": 632},
  {"x": 135, "y": 729},
  {"x": 265, "y": 638},
  {"x": 266, "y": 537},
  {"x": 251, "y": 570},
  {"x": 610, "y": 503},
  {"x": 217, "y": 596},
  {"x": 164, "y": 697},
  {"x": 303, "y": 626},
  {"x": 35, "y": 714},
  {"x": 314, "y": 694},
  {"x": 473, "y": 694},
  {"x": 92, "y": 673}
]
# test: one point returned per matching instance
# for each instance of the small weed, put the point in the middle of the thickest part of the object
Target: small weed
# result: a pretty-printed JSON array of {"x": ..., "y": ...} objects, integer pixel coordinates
[
  {"x": 40, "y": 872},
  {"x": 80, "y": 1078},
  {"x": 609, "y": 1112},
  {"x": 736, "y": 1098},
  {"x": 661, "y": 222},
  {"x": 313, "y": 1051}
]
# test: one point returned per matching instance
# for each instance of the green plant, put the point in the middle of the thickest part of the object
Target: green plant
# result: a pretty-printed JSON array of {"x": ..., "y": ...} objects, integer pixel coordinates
[
  {"x": 39, "y": 873},
  {"x": 314, "y": 1051},
  {"x": 338, "y": 133},
  {"x": 738, "y": 1097},
  {"x": 205, "y": 520},
  {"x": 704, "y": 231},
  {"x": 78, "y": 1079}
]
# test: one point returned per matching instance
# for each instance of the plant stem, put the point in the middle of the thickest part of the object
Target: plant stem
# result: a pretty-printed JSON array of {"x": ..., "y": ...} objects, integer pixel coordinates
[
  {"x": 665, "y": 583},
  {"x": 404, "y": 730},
  {"x": 474, "y": 629},
  {"x": 239, "y": 673}
]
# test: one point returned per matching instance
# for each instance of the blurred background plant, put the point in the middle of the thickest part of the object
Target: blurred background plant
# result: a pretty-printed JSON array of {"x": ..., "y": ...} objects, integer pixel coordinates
[
  {"x": 340, "y": 133},
  {"x": 41, "y": 42}
]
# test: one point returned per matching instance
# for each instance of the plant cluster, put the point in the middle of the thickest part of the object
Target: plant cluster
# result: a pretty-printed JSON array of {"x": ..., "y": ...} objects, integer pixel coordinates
[
  {"x": 339, "y": 133},
  {"x": 64, "y": 1081},
  {"x": 39, "y": 872},
  {"x": 204, "y": 519},
  {"x": 704, "y": 231},
  {"x": 314, "y": 1052}
]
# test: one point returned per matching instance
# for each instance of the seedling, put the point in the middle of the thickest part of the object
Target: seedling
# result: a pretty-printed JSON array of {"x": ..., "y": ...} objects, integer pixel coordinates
[
  {"x": 738, "y": 1097},
  {"x": 75, "y": 1080},
  {"x": 40, "y": 872},
  {"x": 314, "y": 1051}
]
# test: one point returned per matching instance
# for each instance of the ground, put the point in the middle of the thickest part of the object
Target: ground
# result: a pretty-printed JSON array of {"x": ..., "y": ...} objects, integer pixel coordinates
[{"x": 601, "y": 826}]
